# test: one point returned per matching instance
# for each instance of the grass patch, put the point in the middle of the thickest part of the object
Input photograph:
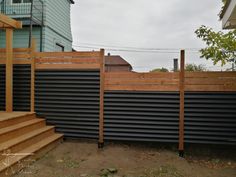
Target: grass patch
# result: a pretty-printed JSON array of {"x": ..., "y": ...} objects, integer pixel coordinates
[{"x": 163, "y": 171}]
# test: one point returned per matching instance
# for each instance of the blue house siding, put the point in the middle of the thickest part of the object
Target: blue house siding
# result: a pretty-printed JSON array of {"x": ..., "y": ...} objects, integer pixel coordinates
[
  {"x": 21, "y": 38},
  {"x": 52, "y": 38},
  {"x": 56, "y": 26},
  {"x": 57, "y": 17}
]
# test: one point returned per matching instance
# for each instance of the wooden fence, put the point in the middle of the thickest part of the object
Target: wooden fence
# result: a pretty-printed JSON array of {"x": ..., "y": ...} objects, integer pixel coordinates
[
  {"x": 126, "y": 81},
  {"x": 168, "y": 82},
  {"x": 194, "y": 81}
]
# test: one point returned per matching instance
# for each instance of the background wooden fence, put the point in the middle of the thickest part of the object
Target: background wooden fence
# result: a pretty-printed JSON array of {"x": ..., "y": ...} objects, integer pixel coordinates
[{"x": 128, "y": 105}]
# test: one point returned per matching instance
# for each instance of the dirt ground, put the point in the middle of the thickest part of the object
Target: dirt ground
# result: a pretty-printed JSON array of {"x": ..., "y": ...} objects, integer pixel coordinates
[{"x": 83, "y": 159}]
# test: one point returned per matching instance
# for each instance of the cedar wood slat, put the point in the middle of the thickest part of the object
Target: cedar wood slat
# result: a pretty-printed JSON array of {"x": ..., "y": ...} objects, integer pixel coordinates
[
  {"x": 164, "y": 88},
  {"x": 18, "y": 61},
  {"x": 67, "y": 66},
  {"x": 211, "y": 74},
  {"x": 9, "y": 70},
  {"x": 67, "y": 60},
  {"x": 67, "y": 54},
  {"x": 32, "y": 93},
  {"x": 141, "y": 81},
  {"x": 3, "y": 50},
  {"x": 194, "y": 81},
  {"x": 101, "y": 110},
  {"x": 132, "y": 75}
]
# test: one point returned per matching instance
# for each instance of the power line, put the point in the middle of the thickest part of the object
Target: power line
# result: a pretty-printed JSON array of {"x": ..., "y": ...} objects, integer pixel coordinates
[
  {"x": 134, "y": 50},
  {"x": 127, "y": 50},
  {"x": 137, "y": 48}
]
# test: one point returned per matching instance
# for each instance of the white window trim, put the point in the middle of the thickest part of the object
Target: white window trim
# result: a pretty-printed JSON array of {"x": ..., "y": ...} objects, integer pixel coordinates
[{"x": 57, "y": 44}]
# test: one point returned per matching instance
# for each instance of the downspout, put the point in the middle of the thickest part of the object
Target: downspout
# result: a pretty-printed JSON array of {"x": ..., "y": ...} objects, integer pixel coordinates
[
  {"x": 31, "y": 23},
  {"x": 41, "y": 29}
]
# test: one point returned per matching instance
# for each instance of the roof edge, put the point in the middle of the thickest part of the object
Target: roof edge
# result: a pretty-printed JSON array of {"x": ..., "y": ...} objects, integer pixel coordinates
[
  {"x": 72, "y": 1},
  {"x": 224, "y": 9}
]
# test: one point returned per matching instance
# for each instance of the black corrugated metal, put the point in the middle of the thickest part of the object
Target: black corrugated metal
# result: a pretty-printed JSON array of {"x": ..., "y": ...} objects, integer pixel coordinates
[
  {"x": 69, "y": 99},
  {"x": 210, "y": 117},
  {"x": 21, "y": 87},
  {"x": 141, "y": 116}
]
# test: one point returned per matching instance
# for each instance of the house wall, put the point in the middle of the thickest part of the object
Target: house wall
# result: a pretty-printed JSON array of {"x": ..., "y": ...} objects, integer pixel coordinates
[
  {"x": 57, "y": 25},
  {"x": 57, "y": 17},
  {"x": 117, "y": 68},
  {"x": 51, "y": 38},
  {"x": 57, "y": 28},
  {"x": 21, "y": 38}
]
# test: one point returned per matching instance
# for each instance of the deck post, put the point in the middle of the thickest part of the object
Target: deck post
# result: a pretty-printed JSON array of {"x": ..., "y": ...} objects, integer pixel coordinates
[
  {"x": 32, "y": 85},
  {"x": 181, "y": 112},
  {"x": 101, "y": 111},
  {"x": 9, "y": 70}
]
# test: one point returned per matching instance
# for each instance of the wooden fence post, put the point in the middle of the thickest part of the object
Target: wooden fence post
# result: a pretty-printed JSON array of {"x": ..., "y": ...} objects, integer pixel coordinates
[
  {"x": 181, "y": 112},
  {"x": 9, "y": 70},
  {"x": 101, "y": 111},
  {"x": 32, "y": 85}
]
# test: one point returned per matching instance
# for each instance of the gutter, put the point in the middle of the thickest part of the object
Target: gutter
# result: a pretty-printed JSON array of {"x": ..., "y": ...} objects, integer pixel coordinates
[
  {"x": 72, "y": 1},
  {"x": 225, "y": 9}
]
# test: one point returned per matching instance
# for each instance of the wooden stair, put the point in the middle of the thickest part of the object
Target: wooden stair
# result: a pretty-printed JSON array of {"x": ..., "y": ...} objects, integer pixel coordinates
[{"x": 23, "y": 139}]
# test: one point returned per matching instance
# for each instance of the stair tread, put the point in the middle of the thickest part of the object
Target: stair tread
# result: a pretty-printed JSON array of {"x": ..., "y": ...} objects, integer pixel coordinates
[
  {"x": 28, "y": 151},
  {"x": 8, "y": 116},
  {"x": 20, "y": 125},
  {"x": 12, "y": 142}
]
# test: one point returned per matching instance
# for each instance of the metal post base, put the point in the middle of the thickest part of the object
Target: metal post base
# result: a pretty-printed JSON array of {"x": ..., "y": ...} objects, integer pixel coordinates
[
  {"x": 100, "y": 145},
  {"x": 181, "y": 154}
]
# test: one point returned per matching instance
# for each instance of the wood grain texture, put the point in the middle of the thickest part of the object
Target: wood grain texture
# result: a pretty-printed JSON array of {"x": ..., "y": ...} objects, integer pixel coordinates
[
  {"x": 67, "y": 66},
  {"x": 68, "y": 60},
  {"x": 67, "y": 54},
  {"x": 7, "y": 22},
  {"x": 142, "y": 81},
  {"x": 101, "y": 110},
  {"x": 32, "y": 85},
  {"x": 9, "y": 70},
  {"x": 210, "y": 81}
]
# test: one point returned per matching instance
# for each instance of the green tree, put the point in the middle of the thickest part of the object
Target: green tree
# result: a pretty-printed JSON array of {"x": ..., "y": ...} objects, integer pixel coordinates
[
  {"x": 194, "y": 67},
  {"x": 159, "y": 70},
  {"x": 221, "y": 47}
]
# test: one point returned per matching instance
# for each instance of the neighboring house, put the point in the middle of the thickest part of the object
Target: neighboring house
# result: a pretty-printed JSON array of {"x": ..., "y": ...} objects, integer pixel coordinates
[
  {"x": 50, "y": 20},
  {"x": 228, "y": 15},
  {"x": 115, "y": 63}
]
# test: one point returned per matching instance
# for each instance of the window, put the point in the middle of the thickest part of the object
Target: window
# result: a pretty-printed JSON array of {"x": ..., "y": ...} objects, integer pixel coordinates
[
  {"x": 59, "y": 48},
  {"x": 16, "y": 1},
  {"x": 20, "y": 1}
]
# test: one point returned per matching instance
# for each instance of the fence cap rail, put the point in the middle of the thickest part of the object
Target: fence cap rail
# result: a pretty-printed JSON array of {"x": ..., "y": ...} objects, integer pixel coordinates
[{"x": 67, "y": 54}]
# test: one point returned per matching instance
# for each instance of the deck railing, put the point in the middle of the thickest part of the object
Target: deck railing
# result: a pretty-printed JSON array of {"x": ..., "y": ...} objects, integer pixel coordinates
[{"x": 23, "y": 10}]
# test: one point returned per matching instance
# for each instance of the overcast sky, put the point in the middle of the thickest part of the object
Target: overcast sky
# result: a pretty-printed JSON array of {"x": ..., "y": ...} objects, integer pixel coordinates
[{"x": 168, "y": 24}]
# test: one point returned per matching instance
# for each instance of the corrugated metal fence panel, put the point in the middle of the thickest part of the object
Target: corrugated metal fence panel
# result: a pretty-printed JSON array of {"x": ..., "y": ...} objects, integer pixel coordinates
[
  {"x": 69, "y": 99},
  {"x": 21, "y": 87},
  {"x": 141, "y": 116},
  {"x": 210, "y": 118}
]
